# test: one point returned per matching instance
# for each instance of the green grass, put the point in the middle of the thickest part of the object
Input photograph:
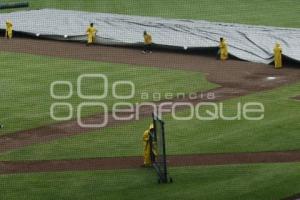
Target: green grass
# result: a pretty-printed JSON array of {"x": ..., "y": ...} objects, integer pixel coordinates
[
  {"x": 276, "y": 12},
  {"x": 245, "y": 182},
  {"x": 278, "y": 131},
  {"x": 25, "y": 86}
]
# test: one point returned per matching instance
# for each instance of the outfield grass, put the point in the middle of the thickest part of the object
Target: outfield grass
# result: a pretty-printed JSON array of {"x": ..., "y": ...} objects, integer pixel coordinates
[
  {"x": 26, "y": 79},
  {"x": 275, "y": 12},
  {"x": 278, "y": 131},
  {"x": 245, "y": 182}
]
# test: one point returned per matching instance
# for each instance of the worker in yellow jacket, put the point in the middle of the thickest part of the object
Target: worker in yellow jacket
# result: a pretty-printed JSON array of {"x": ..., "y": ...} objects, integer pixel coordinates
[
  {"x": 223, "y": 49},
  {"x": 9, "y": 30},
  {"x": 278, "y": 56},
  {"x": 147, "y": 146},
  {"x": 147, "y": 43},
  {"x": 91, "y": 34}
]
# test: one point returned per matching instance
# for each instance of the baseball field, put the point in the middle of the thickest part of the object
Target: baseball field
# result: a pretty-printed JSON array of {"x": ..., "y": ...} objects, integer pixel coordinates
[{"x": 42, "y": 158}]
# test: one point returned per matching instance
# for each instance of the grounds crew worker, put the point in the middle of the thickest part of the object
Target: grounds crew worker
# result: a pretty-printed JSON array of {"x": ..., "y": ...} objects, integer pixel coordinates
[
  {"x": 147, "y": 146},
  {"x": 278, "y": 56},
  {"x": 147, "y": 43},
  {"x": 9, "y": 30},
  {"x": 91, "y": 34},
  {"x": 223, "y": 51}
]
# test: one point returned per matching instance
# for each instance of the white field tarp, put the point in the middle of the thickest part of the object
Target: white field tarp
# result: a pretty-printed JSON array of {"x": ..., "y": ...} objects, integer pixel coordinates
[{"x": 251, "y": 43}]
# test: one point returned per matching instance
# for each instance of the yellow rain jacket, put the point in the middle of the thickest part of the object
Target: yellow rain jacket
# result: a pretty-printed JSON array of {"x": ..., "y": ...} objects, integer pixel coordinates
[
  {"x": 91, "y": 34},
  {"x": 147, "y": 147},
  {"x": 9, "y": 30},
  {"x": 223, "y": 50},
  {"x": 147, "y": 39},
  {"x": 278, "y": 56}
]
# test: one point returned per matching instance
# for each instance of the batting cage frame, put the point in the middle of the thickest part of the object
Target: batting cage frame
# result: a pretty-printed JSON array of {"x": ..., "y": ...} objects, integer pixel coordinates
[{"x": 158, "y": 150}]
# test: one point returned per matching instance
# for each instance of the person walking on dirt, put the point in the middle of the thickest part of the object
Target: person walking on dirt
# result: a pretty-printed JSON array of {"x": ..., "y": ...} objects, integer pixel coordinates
[
  {"x": 277, "y": 56},
  {"x": 147, "y": 146},
  {"x": 147, "y": 43},
  {"x": 91, "y": 34},
  {"x": 9, "y": 30},
  {"x": 223, "y": 49}
]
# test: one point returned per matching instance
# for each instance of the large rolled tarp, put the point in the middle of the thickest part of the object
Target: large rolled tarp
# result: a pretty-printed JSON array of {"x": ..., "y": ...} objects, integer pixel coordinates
[{"x": 251, "y": 43}]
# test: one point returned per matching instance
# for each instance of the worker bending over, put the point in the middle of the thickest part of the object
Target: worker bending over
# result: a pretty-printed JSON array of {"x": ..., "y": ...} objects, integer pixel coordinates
[
  {"x": 278, "y": 56},
  {"x": 223, "y": 49},
  {"x": 9, "y": 30},
  {"x": 91, "y": 34}
]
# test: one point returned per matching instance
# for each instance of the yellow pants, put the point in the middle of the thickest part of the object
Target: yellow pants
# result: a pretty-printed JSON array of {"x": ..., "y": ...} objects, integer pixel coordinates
[
  {"x": 9, "y": 34},
  {"x": 91, "y": 39},
  {"x": 278, "y": 61},
  {"x": 147, "y": 157},
  {"x": 223, "y": 54}
]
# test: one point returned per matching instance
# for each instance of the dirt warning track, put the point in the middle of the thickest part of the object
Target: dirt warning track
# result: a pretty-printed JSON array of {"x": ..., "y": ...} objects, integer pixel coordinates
[{"x": 135, "y": 162}]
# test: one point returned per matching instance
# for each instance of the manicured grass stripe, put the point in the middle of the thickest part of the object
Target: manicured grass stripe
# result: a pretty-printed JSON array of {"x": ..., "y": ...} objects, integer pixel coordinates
[
  {"x": 274, "y": 13},
  {"x": 247, "y": 182}
]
